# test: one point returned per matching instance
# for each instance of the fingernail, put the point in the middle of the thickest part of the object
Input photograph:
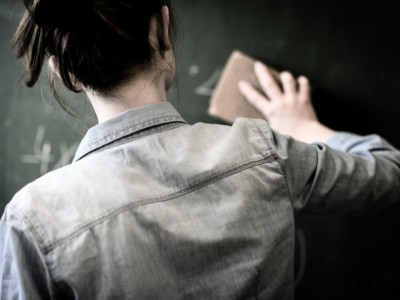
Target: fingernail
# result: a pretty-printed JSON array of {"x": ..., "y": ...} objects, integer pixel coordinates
[
  {"x": 259, "y": 66},
  {"x": 302, "y": 78},
  {"x": 285, "y": 75}
]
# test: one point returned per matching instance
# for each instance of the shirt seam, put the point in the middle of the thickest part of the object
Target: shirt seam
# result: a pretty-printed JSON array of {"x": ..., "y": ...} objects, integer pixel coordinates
[
  {"x": 116, "y": 211},
  {"x": 37, "y": 237},
  {"x": 33, "y": 229},
  {"x": 281, "y": 164}
]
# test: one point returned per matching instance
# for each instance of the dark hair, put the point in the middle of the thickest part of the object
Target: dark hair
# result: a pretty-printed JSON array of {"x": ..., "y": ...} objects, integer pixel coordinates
[{"x": 101, "y": 43}]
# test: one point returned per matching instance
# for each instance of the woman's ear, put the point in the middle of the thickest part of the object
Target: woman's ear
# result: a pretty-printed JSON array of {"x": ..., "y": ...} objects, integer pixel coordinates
[
  {"x": 53, "y": 64},
  {"x": 165, "y": 28}
]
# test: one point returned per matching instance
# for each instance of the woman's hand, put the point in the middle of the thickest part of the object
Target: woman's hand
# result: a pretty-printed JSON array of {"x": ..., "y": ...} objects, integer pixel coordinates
[{"x": 289, "y": 111}]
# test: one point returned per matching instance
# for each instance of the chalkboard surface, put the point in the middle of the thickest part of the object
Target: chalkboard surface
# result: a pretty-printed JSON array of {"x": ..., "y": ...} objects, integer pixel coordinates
[{"x": 348, "y": 49}]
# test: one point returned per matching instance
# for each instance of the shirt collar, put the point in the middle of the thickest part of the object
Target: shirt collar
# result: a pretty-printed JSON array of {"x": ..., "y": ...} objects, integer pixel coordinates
[{"x": 127, "y": 123}]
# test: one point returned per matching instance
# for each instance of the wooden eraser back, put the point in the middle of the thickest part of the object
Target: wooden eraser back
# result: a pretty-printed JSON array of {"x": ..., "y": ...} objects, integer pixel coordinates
[{"x": 227, "y": 103}]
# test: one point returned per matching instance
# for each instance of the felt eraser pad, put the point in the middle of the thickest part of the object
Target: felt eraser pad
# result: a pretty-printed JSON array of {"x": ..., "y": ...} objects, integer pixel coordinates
[{"x": 227, "y": 103}]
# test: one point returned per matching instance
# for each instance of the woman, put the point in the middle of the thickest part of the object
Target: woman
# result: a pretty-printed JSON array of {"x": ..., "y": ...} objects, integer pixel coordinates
[{"x": 153, "y": 208}]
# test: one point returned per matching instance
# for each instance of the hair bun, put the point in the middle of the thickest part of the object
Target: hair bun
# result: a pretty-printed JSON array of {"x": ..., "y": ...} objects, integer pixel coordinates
[{"x": 64, "y": 14}]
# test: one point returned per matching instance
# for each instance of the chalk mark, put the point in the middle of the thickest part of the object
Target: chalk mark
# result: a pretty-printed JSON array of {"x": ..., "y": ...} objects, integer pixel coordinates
[
  {"x": 67, "y": 154},
  {"x": 42, "y": 153},
  {"x": 207, "y": 88}
]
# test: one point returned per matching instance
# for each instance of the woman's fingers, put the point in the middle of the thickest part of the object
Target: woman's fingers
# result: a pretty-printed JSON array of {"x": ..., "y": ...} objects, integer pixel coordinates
[
  {"x": 289, "y": 110},
  {"x": 304, "y": 88},
  {"x": 267, "y": 82},
  {"x": 289, "y": 85},
  {"x": 254, "y": 97}
]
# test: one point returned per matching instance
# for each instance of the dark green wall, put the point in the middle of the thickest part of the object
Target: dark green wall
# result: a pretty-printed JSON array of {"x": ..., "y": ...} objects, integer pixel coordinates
[
  {"x": 37, "y": 136},
  {"x": 348, "y": 49}
]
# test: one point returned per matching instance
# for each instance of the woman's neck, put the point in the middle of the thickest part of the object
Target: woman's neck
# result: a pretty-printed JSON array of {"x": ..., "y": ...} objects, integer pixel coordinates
[{"x": 134, "y": 94}]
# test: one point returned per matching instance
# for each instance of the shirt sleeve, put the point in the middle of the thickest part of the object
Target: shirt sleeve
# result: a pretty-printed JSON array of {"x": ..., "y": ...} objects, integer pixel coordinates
[
  {"x": 348, "y": 175},
  {"x": 23, "y": 271}
]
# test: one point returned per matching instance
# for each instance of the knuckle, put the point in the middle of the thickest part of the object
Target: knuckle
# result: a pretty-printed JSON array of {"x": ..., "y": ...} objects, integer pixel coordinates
[
  {"x": 270, "y": 85},
  {"x": 290, "y": 98},
  {"x": 303, "y": 99}
]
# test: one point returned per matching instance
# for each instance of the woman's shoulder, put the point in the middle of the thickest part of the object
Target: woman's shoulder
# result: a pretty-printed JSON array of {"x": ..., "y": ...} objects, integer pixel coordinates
[{"x": 42, "y": 192}]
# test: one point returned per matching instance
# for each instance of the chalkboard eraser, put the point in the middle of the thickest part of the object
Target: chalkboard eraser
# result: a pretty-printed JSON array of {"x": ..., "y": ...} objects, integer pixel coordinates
[{"x": 227, "y": 103}]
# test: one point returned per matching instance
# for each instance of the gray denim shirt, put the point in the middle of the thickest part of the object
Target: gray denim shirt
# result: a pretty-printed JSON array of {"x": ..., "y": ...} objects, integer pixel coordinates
[{"x": 155, "y": 208}]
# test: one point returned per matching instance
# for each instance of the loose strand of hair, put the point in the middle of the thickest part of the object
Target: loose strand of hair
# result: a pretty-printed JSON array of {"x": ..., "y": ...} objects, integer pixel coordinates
[
  {"x": 28, "y": 39},
  {"x": 37, "y": 56},
  {"x": 61, "y": 99},
  {"x": 23, "y": 31}
]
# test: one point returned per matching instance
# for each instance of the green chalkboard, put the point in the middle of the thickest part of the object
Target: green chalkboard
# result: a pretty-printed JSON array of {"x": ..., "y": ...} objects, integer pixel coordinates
[{"x": 348, "y": 49}]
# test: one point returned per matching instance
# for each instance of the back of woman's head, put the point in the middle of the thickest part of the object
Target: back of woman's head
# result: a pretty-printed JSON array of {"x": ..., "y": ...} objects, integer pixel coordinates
[{"x": 101, "y": 43}]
